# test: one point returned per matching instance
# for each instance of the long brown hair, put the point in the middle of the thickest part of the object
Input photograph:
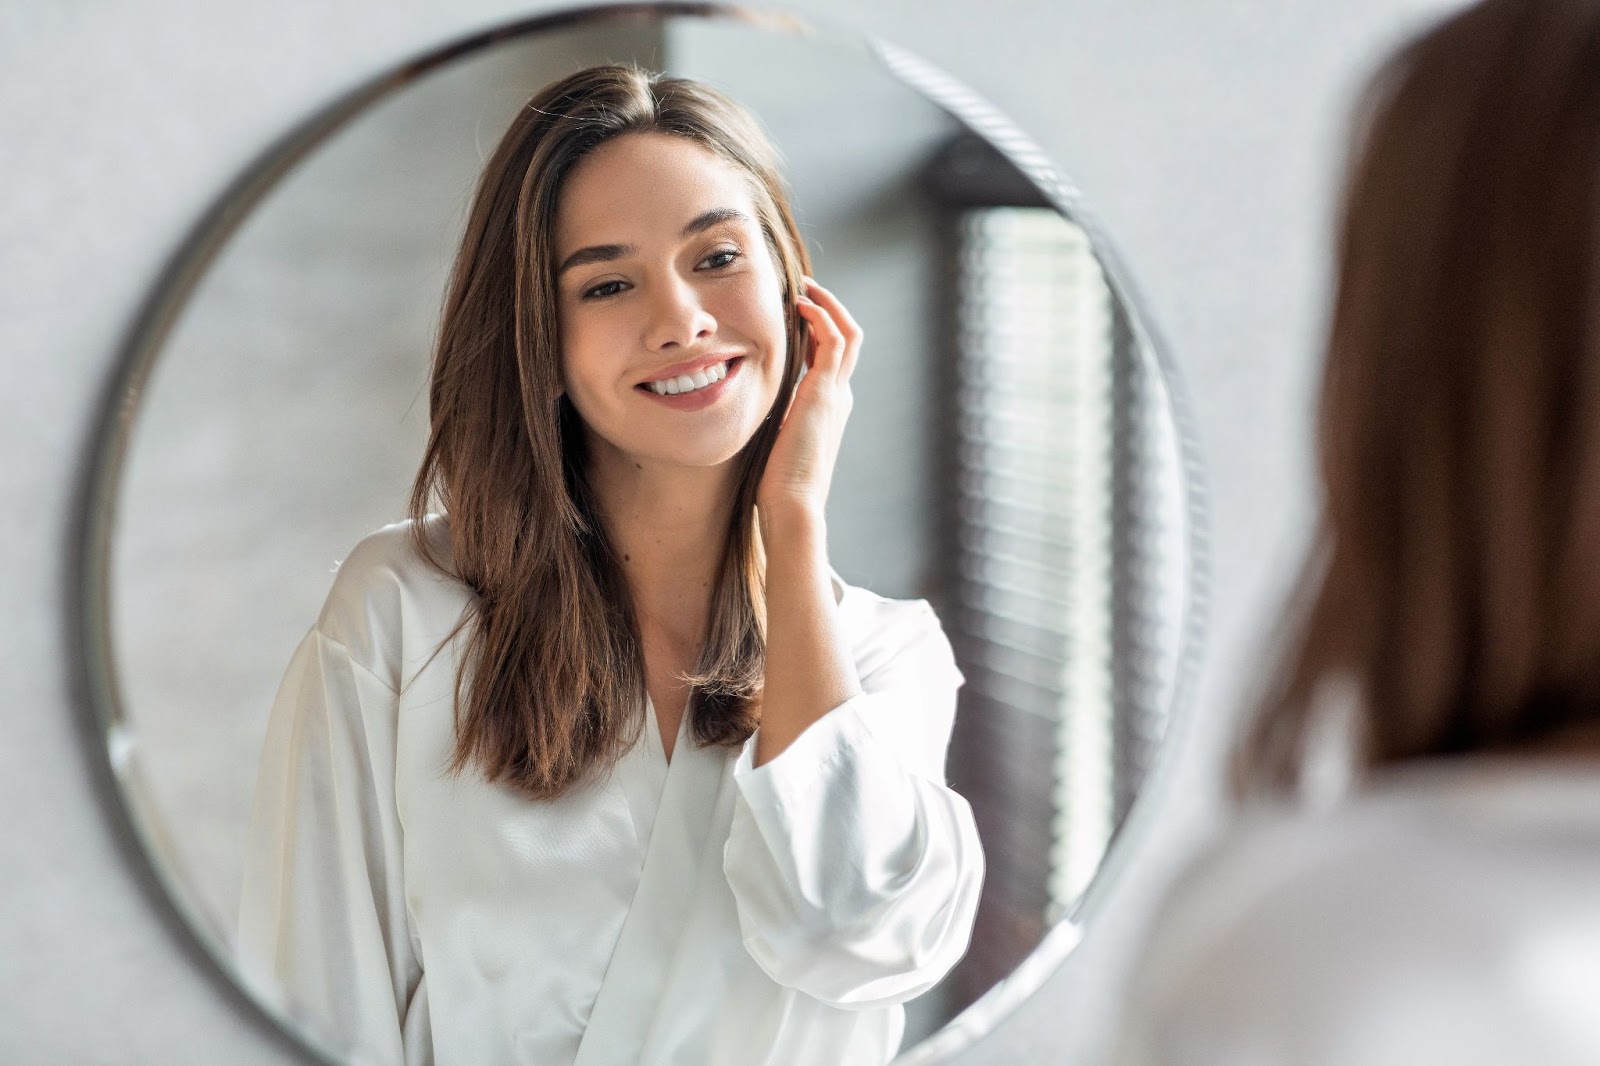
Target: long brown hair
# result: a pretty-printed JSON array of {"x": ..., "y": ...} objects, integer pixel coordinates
[
  {"x": 1454, "y": 583},
  {"x": 551, "y": 686}
]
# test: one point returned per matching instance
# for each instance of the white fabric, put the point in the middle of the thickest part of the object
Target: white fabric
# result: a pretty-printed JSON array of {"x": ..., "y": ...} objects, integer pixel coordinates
[
  {"x": 701, "y": 913},
  {"x": 1450, "y": 915}
]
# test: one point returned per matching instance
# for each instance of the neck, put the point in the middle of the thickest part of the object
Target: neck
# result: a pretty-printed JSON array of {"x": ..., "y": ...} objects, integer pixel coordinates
[{"x": 667, "y": 525}]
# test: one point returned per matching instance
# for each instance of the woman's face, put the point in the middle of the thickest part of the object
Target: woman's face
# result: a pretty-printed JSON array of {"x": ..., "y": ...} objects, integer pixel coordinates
[{"x": 663, "y": 275}]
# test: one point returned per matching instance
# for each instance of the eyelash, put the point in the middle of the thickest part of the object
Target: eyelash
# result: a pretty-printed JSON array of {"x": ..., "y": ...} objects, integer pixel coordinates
[
  {"x": 733, "y": 255},
  {"x": 597, "y": 292}
]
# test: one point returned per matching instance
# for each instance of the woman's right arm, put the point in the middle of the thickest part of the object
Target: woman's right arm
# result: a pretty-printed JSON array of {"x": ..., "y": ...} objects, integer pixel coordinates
[{"x": 323, "y": 926}]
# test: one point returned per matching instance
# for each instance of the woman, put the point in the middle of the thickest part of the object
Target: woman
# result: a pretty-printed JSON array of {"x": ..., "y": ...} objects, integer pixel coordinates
[
  {"x": 1448, "y": 646},
  {"x": 604, "y": 765}
]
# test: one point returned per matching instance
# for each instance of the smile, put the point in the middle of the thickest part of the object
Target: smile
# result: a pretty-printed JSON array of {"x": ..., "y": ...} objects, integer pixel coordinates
[
  {"x": 700, "y": 379},
  {"x": 691, "y": 392}
]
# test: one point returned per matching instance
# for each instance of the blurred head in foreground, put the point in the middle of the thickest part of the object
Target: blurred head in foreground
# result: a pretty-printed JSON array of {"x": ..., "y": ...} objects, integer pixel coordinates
[{"x": 1453, "y": 591}]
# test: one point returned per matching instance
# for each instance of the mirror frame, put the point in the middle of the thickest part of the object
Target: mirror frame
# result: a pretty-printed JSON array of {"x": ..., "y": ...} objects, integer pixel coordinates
[{"x": 111, "y": 746}]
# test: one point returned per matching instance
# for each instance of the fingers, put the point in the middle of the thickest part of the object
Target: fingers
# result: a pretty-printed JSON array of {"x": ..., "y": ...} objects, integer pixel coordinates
[
  {"x": 827, "y": 342},
  {"x": 837, "y": 334}
]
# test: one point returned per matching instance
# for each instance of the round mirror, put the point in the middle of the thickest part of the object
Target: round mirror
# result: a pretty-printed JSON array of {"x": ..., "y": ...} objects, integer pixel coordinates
[{"x": 1015, "y": 455}]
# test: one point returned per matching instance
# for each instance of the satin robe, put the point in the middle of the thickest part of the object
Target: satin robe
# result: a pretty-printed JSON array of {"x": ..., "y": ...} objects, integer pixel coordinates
[
  {"x": 702, "y": 912},
  {"x": 1445, "y": 912}
]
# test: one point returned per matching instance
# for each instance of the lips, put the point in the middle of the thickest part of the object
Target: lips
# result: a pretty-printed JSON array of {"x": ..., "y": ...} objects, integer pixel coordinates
[
  {"x": 697, "y": 399},
  {"x": 690, "y": 367}
]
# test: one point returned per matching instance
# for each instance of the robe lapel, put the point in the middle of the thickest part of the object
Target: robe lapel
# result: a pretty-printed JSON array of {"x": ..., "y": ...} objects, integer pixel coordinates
[{"x": 631, "y": 991}]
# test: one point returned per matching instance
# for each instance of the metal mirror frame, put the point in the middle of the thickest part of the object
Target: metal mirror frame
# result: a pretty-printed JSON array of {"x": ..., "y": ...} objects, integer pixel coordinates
[{"x": 106, "y": 737}]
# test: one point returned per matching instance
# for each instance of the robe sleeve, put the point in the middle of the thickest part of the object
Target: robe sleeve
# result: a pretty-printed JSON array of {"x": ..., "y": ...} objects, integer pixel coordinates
[
  {"x": 323, "y": 928},
  {"x": 855, "y": 870}
]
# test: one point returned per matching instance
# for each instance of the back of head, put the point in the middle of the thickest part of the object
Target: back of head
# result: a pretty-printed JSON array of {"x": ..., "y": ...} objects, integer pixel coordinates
[{"x": 1455, "y": 583}]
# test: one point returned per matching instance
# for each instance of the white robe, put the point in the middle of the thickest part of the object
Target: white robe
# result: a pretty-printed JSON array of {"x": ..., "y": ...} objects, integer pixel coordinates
[
  {"x": 1448, "y": 913},
  {"x": 704, "y": 912}
]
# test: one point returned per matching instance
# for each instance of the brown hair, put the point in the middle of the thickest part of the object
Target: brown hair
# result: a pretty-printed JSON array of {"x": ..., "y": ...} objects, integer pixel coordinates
[
  {"x": 552, "y": 679},
  {"x": 1454, "y": 582}
]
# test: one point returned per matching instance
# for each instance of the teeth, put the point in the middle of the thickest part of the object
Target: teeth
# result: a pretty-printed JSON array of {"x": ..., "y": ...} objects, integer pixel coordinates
[{"x": 689, "y": 382}]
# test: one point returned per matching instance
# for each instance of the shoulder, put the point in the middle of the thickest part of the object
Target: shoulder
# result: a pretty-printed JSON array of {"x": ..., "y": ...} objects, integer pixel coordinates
[
  {"x": 388, "y": 595},
  {"x": 882, "y": 630},
  {"x": 1417, "y": 821},
  {"x": 1370, "y": 918}
]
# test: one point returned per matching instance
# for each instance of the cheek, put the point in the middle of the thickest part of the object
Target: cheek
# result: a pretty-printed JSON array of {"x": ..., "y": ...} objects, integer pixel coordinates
[
  {"x": 583, "y": 348},
  {"x": 569, "y": 362},
  {"x": 763, "y": 312}
]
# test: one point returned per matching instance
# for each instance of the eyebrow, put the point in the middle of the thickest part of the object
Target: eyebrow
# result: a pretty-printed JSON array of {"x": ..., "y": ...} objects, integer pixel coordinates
[{"x": 605, "y": 253}]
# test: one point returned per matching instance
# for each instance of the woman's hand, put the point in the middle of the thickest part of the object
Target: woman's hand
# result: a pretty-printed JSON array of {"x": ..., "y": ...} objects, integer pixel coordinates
[
  {"x": 809, "y": 665},
  {"x": 800, "y": 468}
]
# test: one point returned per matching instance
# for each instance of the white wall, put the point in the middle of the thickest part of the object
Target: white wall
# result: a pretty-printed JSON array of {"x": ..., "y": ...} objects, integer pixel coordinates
[{"x": 1204, "y": 133}]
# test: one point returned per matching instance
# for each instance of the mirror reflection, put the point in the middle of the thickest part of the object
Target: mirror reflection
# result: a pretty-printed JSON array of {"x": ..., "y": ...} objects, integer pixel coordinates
[{"x": 953, "y": 746}]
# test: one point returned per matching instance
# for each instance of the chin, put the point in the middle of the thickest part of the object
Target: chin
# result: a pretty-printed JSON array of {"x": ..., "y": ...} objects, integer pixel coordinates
[
  {"x": 701, "y": 458},
  {"x": 714, "y": 447}
]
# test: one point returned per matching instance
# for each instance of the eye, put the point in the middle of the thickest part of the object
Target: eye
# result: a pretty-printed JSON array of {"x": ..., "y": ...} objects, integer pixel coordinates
[
  {"x": 604, "y": 289},
  {"x": 723, "y": 257}
]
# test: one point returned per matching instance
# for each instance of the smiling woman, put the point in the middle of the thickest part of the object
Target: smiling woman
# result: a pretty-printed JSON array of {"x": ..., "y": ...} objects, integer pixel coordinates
[
  {"x": 695, "y": 288},
  {"x": 617, "y": 612},
  {"x": 696, "y": 808}
]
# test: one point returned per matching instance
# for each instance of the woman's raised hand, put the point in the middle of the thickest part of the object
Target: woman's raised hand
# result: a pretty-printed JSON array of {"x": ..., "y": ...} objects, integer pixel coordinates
[{"x": 800, "y": 468}]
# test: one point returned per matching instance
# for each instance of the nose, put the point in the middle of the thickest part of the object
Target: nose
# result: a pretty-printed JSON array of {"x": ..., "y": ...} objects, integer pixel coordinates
[{"x": 678, "y": 318}]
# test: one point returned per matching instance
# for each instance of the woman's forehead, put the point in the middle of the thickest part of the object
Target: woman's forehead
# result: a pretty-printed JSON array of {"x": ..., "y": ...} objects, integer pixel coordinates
[{"x": 646, "y": 187}]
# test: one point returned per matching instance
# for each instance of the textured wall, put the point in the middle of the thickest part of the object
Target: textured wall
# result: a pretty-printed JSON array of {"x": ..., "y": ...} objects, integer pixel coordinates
[{"x": 1204, "y": 133}]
